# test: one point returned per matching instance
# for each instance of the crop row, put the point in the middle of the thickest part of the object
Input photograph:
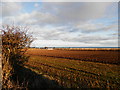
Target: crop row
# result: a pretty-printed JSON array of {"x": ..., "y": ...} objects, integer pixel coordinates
[
  {"x": 74, "y": 76},
  {"x": 94, "y": 56}
]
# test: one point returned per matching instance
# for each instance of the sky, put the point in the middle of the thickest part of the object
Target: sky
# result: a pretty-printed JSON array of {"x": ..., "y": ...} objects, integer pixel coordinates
[{"x": 66, "y": 24}]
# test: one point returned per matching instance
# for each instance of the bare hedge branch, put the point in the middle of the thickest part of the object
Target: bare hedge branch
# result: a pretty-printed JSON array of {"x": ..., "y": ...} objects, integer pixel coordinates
[{"x": 15, "y": 42}]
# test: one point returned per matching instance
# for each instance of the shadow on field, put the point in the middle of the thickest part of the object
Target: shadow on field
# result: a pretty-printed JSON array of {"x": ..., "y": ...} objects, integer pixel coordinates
[
  {"x": 26, "y": 78},
  {"x": 68, "y": 69}
]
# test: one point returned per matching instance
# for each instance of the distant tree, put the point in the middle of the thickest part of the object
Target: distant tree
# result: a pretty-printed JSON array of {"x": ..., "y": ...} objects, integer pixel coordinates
[
  {"x": 45, "y": 47},
  {"x": 15, "y": 42}
]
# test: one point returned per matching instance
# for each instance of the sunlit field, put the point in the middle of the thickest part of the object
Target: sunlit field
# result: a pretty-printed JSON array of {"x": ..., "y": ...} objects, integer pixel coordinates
[{"x": 77, "y": 68}]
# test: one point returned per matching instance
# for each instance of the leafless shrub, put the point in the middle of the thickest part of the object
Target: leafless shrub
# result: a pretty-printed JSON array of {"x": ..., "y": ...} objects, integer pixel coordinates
[{"x": 15, "y": 42}]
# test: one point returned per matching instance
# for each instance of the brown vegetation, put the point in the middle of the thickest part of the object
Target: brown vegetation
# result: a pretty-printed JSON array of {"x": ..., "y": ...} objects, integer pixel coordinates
[{"x": 14, "y": 39}]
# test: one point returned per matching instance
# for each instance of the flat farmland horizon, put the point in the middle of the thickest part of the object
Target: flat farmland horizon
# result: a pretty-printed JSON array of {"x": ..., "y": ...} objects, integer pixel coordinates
[{"x": 105, "y": 55}]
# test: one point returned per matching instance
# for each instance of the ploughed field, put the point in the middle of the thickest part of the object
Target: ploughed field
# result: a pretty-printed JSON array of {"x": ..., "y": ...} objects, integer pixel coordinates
[
  {"x": 76, "y": 69},
  {"x": 84, "y": 55}
]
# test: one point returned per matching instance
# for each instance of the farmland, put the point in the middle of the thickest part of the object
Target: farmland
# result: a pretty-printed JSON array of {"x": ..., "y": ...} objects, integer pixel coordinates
[
  {"x": 84, "y": 55},
  {"x": 77, "y": 69}
]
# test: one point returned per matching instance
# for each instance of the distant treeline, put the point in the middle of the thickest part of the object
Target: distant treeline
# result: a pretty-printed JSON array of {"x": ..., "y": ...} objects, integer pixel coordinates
[
  {"x": 75, "y": 47},
  {"x": 82, "y": 48}
]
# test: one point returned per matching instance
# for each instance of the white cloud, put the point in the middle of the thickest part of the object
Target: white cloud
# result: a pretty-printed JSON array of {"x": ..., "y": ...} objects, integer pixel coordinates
[
  {"x": 9, "y": 9},
  {"x": 33, "y": 18},
  {"x": 90, "y": 27},
  {"x": 59, "y": 43},
  {"x": 60, "y": 1},
  {"x": 66, "y": 24},
  {"x": 20, "y": 1},
  {"x": 36, "y": 5},
  {"x": 57, "y": 34},
  {"x": 62, "y": 13},
  {"x": 80, "y": 0},
  {"x": 75, "y": 12}
]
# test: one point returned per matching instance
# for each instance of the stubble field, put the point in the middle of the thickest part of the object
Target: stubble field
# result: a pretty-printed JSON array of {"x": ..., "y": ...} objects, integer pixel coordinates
[{"x": 77, "y": 69}]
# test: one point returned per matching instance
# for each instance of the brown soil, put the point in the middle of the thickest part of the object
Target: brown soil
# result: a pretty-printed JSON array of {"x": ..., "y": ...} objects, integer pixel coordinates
[{"x": 111, "y": 57}]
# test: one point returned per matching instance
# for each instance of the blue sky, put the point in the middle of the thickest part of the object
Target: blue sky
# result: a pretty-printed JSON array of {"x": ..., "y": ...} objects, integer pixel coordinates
[{"x": 69, "y": 24}]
